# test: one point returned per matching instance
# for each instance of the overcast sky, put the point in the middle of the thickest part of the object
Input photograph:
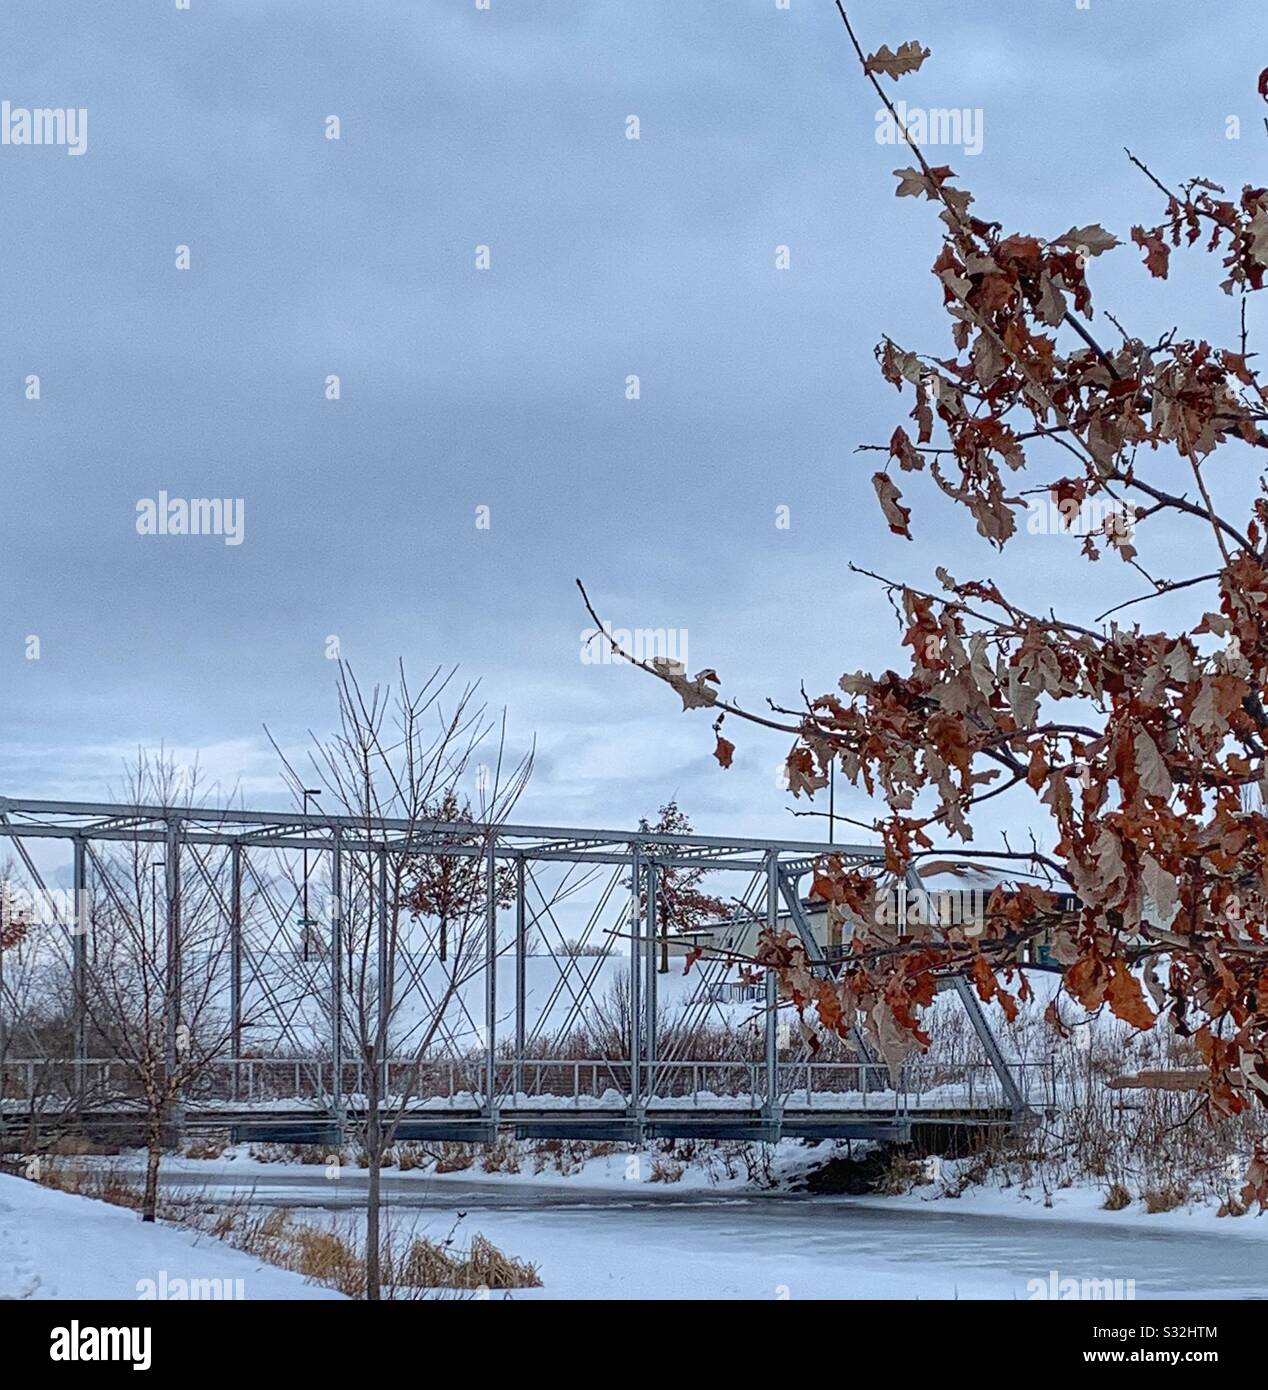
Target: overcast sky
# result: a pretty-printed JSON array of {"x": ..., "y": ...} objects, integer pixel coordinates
[{"x": 505, "y": 387}]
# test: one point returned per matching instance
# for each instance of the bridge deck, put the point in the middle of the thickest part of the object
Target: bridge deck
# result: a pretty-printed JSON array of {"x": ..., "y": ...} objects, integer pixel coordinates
[
  {"x": 311, "y": 1122},
  {"x": 314, "y": 1126}
]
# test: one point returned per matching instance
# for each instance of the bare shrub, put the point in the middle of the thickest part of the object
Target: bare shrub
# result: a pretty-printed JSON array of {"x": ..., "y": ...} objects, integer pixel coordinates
[
  {"x": 205, "y": 1147},
  {"x": 1165, "y": 1198},
  {"x": 1116, "y": 1198},
  {"x": 902, "y": 1174},
  {"x": 666, "y": 1170},
  {"x": 454, "y": 1158},
  {"x": 501, "y": 1157},
  {"x": 411, "y": 1266}
]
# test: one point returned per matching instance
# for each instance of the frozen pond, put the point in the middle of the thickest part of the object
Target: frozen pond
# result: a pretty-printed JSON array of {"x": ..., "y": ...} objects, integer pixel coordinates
[{"x": 596, "y": 1244}]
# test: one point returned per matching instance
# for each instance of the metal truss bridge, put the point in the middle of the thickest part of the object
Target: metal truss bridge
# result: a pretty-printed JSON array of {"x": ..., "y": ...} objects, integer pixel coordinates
[{"x": 292, "y": 953}]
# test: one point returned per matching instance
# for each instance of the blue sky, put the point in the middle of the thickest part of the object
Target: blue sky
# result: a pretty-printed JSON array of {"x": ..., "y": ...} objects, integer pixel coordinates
[{"x": 505, "y": 388}]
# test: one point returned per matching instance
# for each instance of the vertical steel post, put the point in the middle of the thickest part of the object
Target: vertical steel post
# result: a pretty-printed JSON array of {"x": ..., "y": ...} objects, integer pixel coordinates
[
  {"x": 771, "y": 1107},
  {"x": 653, "y": 884},
  {"x": 336, "y": 986},
  {"x": 491, "y": 980},
  {"x": 5, "y": 910},
  {"x": 80, "y": 965},
  {"x": 636, "y": 1011},
  {"x": 235, "y": 961},
  {"x": 386, "y": 986},
  {"x": 173, "y": 983},
  {"x": 521, "y": 972}
]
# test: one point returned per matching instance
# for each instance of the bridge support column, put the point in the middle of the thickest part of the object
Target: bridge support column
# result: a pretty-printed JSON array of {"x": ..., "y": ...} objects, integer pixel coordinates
[
  {"x": 635, "y": 1108},
  {"x": 770, "y": 1107},
  {"x": 491, "y": 982},
  {"x": 4, "y": 1008},
  {"x": 386, "y": 987},
  {"x": 521, "y": 971},
  {"x": 79, "y": 967},
  {"x": 175, "y": 1041},
  {"x": 235, "y": 964},
  {"x": 336, "y": 988},
  {"x": 653, "y": 915}
]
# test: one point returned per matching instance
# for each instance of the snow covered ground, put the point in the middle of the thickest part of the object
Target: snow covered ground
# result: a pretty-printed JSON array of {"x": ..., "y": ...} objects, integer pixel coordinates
[
  {"x": 57, "y": 1245},
  {"x": 1084, "y": 1205}
]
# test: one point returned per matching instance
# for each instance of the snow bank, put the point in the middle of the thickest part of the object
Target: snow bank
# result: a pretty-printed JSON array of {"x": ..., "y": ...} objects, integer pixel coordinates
[
  {"x": 57, "y": 1245},
  {"x": 1081, "y": 1202}
]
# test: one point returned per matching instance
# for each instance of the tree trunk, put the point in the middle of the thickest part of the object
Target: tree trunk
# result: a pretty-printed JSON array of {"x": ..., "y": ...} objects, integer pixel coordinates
[
  {"x": 154, "y": 1152},
  {"x": 373, "y": 1276},
  {"x": 374, "y": 1151},
  {"x": 664, "y": 944}
]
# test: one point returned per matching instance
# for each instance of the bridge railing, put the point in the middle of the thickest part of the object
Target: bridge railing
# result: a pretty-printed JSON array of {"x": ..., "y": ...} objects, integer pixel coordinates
[{"x": 534, "y": 1083}]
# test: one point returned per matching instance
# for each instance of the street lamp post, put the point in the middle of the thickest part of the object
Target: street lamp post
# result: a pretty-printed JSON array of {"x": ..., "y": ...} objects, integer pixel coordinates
[{"x": 832, "y": 801}]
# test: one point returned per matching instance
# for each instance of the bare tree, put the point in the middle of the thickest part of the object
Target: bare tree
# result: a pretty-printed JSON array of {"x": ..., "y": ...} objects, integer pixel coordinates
[
  {"x": 411, "y": 922},
  {"x": 32, "y": 1027},
  {"x": 153, "y": 981}
]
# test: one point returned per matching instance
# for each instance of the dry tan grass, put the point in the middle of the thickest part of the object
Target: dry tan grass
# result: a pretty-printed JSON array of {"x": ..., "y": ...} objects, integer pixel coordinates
[
  {"x": 454, "y": 1158},
  {"x": 666, "y": 1170},
  {"x": 1117, "y": 1197},
  {"x": 206, "y": 1146},
  {"x": 104, "y": 1182},
  {"x": 904, "y": 1173},
  {"x": 1165, "y": 1198},
  {"x": 336, "y": 1258},
  {"x": 502, "y": 1157},
  {"x": 487, "y": 1267},
  {"x": 316, "y": 1155}
]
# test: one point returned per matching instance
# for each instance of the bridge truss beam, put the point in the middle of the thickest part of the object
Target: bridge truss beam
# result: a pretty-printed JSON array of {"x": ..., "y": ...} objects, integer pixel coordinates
[{"x": 622, "y": 871}]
